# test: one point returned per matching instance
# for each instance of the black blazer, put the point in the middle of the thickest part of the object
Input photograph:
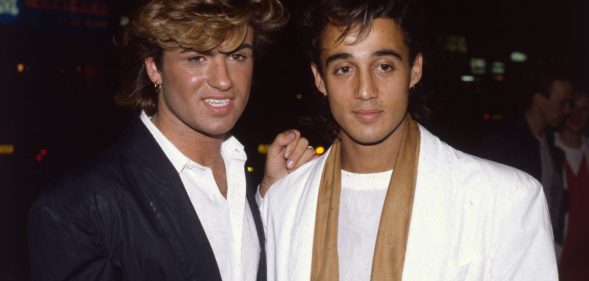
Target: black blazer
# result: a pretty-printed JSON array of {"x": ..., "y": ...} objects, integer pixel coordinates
[
  {"x": 514, "y": 144},
  {"x": 124, "y": 216}
]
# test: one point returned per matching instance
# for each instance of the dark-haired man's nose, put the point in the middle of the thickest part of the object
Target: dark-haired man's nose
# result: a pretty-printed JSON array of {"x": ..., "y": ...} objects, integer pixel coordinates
[{"x": 366, "y": 88}]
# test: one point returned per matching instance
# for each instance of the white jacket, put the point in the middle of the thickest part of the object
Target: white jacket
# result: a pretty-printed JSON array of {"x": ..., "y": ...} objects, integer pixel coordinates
[{"x": 472, "y": 219}]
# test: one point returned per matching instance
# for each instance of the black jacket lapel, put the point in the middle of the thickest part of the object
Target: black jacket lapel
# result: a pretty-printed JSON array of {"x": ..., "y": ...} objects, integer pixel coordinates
[{"x": 167, "y": 201}]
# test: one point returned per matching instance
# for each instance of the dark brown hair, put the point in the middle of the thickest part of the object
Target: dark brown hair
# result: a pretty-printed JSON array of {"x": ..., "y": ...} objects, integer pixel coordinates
[{"x": 352, "y": 14}]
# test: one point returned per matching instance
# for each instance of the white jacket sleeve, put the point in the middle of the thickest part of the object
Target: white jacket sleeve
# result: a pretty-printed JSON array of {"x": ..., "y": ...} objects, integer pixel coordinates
[{"x": 523, "y": 241}]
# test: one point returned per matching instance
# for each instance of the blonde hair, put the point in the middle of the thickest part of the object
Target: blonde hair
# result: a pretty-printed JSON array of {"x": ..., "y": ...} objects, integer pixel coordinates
[{"x": 201, "y": 25}]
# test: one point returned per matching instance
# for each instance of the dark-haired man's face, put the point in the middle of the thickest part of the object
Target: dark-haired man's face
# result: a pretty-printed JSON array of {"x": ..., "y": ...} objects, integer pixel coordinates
[{"x": 367, "y": 81}]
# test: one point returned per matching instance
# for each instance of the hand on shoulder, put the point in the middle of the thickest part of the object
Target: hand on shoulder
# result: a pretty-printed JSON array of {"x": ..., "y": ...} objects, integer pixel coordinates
[{"x": 288, "y": 151}]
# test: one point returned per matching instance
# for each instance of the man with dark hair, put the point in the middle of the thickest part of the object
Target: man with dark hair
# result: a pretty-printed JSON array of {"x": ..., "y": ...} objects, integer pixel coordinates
[
  {"x": 527, "y": 141},
  {"x": 389, "y": 200},
  {"x": 171, "y": 199}
]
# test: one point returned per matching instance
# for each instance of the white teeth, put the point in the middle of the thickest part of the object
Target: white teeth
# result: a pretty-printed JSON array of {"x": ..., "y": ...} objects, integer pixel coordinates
[{"x": 217, "y": 103}]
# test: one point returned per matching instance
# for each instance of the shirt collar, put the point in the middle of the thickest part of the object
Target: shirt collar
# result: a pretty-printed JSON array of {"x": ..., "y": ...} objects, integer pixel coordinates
[{"x": 231, "y": 148}]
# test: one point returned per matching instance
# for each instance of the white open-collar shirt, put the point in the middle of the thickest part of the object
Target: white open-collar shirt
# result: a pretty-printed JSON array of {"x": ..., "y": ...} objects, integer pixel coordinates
[{"x": 228, "y": 222}]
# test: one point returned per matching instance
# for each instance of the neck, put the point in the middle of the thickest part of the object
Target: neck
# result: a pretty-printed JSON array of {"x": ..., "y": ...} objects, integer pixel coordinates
[
  {"x": 372, "y": 158},
  {"x": 535, "y": 122},
  {"x": 200, "y": 148},
  {"x": 570, "y": 138}
]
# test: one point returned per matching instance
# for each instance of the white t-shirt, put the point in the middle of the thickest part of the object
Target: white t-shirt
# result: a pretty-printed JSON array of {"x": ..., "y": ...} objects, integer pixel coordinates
[
  {"x": 361, "y": 202},
  {"x": 573, "y": 155}
]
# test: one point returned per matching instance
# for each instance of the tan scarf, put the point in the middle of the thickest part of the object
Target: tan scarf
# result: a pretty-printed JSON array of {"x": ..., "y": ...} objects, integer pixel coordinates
[{"x": 391, "y": 240}]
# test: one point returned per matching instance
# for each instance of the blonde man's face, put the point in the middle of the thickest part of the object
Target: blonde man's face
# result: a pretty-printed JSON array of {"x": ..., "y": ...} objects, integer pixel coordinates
[{"x": 203, "y": 93}]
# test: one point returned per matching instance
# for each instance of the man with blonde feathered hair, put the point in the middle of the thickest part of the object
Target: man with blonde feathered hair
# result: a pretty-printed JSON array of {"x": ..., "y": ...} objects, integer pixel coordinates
[{"x": 171, "y": 199}]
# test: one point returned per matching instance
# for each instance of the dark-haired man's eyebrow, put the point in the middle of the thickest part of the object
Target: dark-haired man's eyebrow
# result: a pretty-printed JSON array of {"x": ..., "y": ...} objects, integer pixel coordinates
[
  {"x": 387, "y": 52},
  {"x": 336, "y": 56}
]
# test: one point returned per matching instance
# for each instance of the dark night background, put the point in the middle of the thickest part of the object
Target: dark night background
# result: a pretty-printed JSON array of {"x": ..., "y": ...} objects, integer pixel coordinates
[{"x": 59, "y": 71}]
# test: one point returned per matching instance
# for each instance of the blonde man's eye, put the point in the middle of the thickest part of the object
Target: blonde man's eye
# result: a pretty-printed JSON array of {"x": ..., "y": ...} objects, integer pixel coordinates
[
  {"x": 238, "y": 57},
  {"x": 196, "y": 59}
]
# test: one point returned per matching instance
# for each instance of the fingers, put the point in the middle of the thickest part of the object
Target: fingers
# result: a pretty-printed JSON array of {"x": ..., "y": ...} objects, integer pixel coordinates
[
  {"x": 277, "y": 158},
  {"x": 307, "y": 155},
  {"x": 299, "y": 153},
  {"x": 288, "y": 151},
  {"x": 283, "y": 143}
]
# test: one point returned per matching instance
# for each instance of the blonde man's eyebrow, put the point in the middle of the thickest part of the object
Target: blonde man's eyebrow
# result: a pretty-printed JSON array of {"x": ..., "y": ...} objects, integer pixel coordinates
[
  {"x": 241, "y": 47},
  {"x": 190, "y": 50}
]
